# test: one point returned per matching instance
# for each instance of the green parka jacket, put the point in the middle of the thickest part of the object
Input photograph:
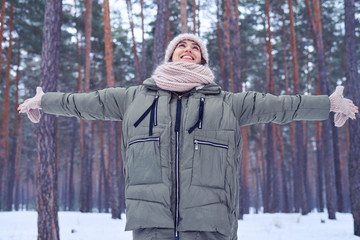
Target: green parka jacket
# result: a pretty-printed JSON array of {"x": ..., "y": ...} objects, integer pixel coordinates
[{"x": 182, "y": 153}]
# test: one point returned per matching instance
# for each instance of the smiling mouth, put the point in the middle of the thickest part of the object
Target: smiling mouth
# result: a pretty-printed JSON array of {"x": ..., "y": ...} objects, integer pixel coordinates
[{"x": 187, "y": 57}]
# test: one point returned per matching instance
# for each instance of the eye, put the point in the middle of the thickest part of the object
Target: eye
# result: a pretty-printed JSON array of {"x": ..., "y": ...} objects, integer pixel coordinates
[
  {"x": 196, "y": 48},
  {"x": 181, "y": 45}
]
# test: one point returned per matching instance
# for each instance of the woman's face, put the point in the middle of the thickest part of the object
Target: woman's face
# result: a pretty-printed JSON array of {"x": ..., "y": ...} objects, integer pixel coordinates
[{"x": 187, "y": 51}]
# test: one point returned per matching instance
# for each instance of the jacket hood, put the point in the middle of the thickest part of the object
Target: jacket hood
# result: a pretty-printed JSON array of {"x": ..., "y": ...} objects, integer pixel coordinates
[{"x": 208, "y": 89}]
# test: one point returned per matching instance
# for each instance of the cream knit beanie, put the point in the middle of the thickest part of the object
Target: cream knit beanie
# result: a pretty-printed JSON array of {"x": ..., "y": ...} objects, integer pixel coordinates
[{"x": 186, "y": 36}]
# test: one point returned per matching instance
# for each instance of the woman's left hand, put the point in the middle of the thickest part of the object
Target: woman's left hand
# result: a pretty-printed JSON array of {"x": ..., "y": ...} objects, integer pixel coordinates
[{"x": 344, "y": 108}]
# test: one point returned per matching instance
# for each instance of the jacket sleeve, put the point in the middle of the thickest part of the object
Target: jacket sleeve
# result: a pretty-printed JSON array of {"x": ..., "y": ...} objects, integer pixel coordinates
[
  {"x": 253, "y": 107},
  {"x": 106, "y": 104}
]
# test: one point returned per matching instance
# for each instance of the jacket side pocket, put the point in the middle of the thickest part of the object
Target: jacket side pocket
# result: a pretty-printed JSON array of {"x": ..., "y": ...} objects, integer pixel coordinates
[
  {"x": 144, "y": 161},
  {"x": 209, "y": 163}
]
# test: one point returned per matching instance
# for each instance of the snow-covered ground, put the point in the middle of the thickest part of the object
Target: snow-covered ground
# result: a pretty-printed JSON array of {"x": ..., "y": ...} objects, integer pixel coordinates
[{"x": 100, "y": 226}]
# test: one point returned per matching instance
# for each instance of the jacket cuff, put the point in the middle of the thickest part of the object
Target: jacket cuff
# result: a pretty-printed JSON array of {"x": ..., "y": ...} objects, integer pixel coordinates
[{"x": 313, "y": 108}]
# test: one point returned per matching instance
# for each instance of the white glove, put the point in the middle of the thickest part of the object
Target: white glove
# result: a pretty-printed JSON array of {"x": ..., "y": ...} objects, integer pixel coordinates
[
  {"x": 32, "y": 106},
  {"x": 344, "y": 108}
]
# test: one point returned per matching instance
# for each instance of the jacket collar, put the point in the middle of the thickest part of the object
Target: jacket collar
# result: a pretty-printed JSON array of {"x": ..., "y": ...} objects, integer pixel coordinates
[{"x": 208, "y": 89}]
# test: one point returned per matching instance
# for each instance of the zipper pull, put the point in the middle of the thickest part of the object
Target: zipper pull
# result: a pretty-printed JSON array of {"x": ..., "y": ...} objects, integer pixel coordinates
[{"x": 196, "y": 144}]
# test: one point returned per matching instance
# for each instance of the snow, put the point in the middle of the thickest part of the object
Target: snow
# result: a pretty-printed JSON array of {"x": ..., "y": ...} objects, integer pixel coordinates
[{"x": 94, "y": 226}]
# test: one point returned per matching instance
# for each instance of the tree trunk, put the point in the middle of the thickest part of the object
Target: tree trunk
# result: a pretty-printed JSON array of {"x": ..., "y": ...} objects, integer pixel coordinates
[
  {"x": 315, "y": 24},
  {"x": 85, "y": 191},
  {"x": 115, "y": 188},
  {"x": 271, "y": 204},
  {"x": 2, "y": 159},
  {"x": 2, "y": 21},
  {"x": 46, "y": 179},
  {"x": 352, "y": 91},
  {"x": 228, "y": 73},
  {"x": 4, "y": 141},
  {"x": 183, "y": 16},
  {"x": 71, "y": 190},
  {"x": 138, "y": 69},
  {"x": 160, "y": 33},
  {"x": 235, "y": 46},
  {"x": 194, "y": 7},
  {"x": 300, "y": 158},
  {"x": 143, "y": 44},
  {"x": 220, "y": 45},
  {"x": 18, "y": 164}
]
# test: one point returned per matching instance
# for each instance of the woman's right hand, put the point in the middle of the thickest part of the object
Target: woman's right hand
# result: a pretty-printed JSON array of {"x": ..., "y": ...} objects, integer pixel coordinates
[{"x": 32, "y": 106}]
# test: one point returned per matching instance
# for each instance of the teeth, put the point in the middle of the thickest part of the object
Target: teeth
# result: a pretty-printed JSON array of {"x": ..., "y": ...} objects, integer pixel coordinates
[{"x": 188, "y": 57}]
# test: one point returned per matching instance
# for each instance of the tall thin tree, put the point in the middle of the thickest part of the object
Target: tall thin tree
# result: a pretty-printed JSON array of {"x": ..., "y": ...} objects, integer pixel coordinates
[
  {"x": 160, "y": 33},
  {"x": 85, "y": 183},
  {"x": 352, "y": 91},
  {"x": 183, "y": 16},
  {"x": 113, "y": 170},
  {"x": 327, "y": 154},
  {"x": 46, "y": 200},
  {"x": 4, "y": 138}
]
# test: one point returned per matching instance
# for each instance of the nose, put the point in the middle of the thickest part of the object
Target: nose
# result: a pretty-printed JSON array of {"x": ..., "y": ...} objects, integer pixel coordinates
[{"x": 188, "y": 49}]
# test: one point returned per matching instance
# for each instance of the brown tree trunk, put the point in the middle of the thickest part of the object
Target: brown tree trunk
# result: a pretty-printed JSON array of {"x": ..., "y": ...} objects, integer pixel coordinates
[
  {"x": 219, "y": 40},
  {"x": 71, "y": 190},
  {"x": 18, "y": 164},
  {"x": 194, "y": 7},
  {"x": 228, "y": 73},
  {"x": 15, "y": 132},
  {"x": 46, "y": 177},
  {"x": 300, "y": 157},
  {"x": 352, "y": 91},
  {"x": 319, "y": 162},
  {"x": 85, "y": 179},
  {"x": 143, "y": 44},
  {"x": 183, "y": 16},
  {"x": 2, "y": 21},
  {"x": 315, "y": 24},
  {"x": 271, "y": 204},
  {"x": 138, "y": 69},
  {"x": 4, "y": 138},
  {"x": 235, "y": 46},
  {"x": 160, "y": 33},
  {"x": 113, "y": 171}
]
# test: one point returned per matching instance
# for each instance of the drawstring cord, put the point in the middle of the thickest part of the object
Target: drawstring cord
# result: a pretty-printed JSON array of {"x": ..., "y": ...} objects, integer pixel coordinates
[
  {"x": 201, "y": 113},
  {"x": 153, "y": 118}
]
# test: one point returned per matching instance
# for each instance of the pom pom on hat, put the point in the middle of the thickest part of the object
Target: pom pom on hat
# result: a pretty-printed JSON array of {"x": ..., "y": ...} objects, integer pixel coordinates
[{"x": 185, "y": 36}]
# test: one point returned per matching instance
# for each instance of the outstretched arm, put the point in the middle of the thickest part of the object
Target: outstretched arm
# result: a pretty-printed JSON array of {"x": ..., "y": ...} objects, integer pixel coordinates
[
  {"x": 106, "y": 104},
  {"x": 254, "y": 107}
]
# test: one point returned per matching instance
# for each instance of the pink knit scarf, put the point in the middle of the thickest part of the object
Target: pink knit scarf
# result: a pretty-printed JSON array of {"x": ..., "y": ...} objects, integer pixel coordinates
[{"x": 182, "y": 76}]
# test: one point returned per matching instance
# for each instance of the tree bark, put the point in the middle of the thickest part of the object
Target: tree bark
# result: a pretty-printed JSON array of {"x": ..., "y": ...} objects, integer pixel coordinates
[
  {"x": 85, "y": 185},
  {"x": 300, "y": 158},
  {"x": 46, "y": 178},
  {"x": 183, "y": 16},
  {"x": 143, "y": 44},
  {"x": 113, "y": 171},
  {"x": 220, "y": 45},
  {"x": 352, "y": 91},
  {"x": 2, "y": 21},
  {"x": 4, "y": 139},
  {"x": 160, "y": 33},
  {"x": 315, "y": 24},
  {"x": 138, "y": 69}
]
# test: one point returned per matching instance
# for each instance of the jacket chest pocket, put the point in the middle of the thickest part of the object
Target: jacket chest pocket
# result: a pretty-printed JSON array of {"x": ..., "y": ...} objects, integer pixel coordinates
[
  {"x": 209, "y": 163},
  {"x": 144, "y": 161}
]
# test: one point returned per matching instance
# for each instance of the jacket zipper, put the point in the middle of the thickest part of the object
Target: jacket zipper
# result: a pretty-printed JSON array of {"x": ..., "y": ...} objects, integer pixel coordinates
[
  {"x": 177, "y": 172},
  {"x": 200, "y": 142},
  {"x": 150, "y": 139}
]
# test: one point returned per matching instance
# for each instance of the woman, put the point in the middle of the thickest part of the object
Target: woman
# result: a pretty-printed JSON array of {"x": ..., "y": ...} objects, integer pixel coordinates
[{"x": 181, "y": 140}]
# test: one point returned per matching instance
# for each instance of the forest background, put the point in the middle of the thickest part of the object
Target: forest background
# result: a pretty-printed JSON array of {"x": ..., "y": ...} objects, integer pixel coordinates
[{"x": 278, "y": 47}]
